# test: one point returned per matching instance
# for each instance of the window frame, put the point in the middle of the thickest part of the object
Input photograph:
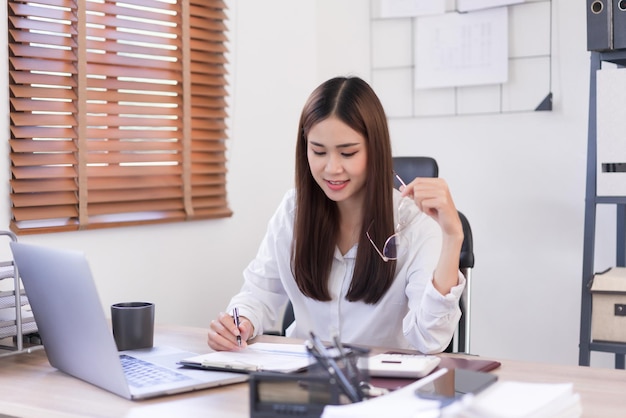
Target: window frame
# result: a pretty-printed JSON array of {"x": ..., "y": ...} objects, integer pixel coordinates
[{"x": 79, "y": 158}]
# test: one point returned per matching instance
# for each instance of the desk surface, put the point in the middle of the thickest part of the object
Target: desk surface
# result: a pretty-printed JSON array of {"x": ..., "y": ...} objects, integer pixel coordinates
[{"x": 32, "y": 388}]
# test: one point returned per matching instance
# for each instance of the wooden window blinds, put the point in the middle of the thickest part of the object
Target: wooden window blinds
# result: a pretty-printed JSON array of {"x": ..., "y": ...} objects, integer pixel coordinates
[{"x": 117, "y": 112}]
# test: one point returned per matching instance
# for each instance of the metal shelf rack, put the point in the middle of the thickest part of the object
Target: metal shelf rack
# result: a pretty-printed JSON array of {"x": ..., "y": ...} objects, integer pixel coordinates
[
  {"x": 18, "y": 330},
  {"x": 586, "y": 345}
]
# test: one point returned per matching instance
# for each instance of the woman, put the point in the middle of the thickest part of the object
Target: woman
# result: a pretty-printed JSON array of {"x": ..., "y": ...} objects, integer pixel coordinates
[{"x": 356, "y": 257}]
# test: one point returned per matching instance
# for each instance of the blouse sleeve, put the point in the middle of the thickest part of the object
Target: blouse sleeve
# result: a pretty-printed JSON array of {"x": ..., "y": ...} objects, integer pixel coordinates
[
  {"x": 432, "y": 317},
  {"x": 431, "y": 326}
]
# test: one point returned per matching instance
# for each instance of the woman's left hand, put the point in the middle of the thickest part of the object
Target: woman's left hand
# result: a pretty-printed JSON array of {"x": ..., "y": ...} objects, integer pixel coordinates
[{"x": 433, "y": 197}]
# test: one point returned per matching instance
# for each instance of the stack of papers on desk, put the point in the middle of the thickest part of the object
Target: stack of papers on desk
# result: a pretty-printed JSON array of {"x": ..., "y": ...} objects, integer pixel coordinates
[
  {"x": 507, "y": 399},
  {"x": 401, "y": 403},
  {"x": 503, "y": 399}
]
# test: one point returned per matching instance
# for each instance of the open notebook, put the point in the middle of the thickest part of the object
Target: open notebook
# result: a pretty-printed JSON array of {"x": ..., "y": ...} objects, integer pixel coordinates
[{"x": 285, "y": 358}]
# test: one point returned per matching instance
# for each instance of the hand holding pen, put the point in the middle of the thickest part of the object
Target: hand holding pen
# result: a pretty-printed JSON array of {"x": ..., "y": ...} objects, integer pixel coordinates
[{"x": 229, "y": 332}]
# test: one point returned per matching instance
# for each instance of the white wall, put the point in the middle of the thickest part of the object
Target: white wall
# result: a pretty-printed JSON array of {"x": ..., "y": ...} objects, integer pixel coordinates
[
  {"x": 190, "y": 270},
  {"x": 520, "y": 179}
]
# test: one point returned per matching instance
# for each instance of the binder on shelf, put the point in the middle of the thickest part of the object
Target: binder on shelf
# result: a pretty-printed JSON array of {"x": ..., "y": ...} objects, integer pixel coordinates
[
  {"x": 619, "y": 24},
  {"x": 600, "y": 25},
  {"x": 610, "y": 141}
]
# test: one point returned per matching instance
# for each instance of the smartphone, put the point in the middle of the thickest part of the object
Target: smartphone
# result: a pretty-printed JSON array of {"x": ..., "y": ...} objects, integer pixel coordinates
[{"x": 455, "y": 383}]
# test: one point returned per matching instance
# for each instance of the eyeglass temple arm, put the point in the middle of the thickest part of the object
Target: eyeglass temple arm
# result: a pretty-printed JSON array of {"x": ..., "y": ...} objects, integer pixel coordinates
[{"x": 399, "y": 179}]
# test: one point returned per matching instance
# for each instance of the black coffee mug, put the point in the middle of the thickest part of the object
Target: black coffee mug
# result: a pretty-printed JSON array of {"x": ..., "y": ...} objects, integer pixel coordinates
[{"x": 133, "y": 325}]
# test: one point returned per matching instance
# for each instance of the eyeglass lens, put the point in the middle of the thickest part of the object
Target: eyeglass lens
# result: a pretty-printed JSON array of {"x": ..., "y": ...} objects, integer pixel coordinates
[{"x": 390, "y": 249}]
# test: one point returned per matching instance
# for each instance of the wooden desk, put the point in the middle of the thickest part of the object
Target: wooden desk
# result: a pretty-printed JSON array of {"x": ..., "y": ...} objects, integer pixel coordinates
[{"x": 30, "y": 387}]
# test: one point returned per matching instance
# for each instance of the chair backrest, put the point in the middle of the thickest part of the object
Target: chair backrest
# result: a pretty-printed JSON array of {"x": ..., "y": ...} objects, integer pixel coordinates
[
  {"x": 409, "y": 168},
  {"x": 467, "y": 249}
]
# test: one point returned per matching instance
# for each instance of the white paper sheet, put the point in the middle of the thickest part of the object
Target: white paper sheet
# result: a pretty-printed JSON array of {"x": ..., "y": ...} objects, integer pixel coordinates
[
  {"x": 501, "y": 400},
  {"x": 402, "y": 403},
  {"x": 461, "y": 49},
  {"x": 467, "y": 5},
  {"x": 525, "y": 400},
  {"x": 410, "y": 8}
]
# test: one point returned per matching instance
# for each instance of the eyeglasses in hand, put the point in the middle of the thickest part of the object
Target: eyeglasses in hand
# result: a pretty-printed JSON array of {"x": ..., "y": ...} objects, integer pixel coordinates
[{"x": 396, "y": 240}]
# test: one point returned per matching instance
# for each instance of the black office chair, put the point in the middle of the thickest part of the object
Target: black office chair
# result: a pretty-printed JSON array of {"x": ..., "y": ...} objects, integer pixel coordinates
[
  {"x": 407, "y": 169},
  {"x": 410, "y": 167}
]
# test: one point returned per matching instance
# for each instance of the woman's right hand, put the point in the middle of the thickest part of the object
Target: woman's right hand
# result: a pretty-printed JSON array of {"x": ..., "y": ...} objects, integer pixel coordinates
[{"x": 223, "y": 332}]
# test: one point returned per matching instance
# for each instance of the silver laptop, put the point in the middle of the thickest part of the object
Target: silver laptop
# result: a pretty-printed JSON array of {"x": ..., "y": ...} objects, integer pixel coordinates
[{"x": 77, "y": 336}]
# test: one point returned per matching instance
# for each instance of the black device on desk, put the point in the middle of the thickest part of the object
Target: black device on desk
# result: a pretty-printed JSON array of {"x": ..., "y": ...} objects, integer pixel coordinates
[
  {"x": 455, "y": 383},
  {"x": 333, "y": 379},
  {"x": 294, "y": 394}
]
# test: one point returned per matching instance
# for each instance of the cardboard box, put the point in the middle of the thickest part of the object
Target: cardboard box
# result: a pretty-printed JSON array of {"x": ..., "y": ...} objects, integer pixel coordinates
[{"x": 608, "y": 314}]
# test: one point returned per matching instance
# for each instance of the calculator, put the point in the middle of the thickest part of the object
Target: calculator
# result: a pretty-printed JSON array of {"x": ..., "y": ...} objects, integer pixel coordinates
[{"x": 401, "y": 365}]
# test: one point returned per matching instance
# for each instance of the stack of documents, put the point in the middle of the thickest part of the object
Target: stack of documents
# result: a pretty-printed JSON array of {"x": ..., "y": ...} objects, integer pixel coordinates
[
  {"x": 503, "y": 399},
  {"x": 401, "y": 403},
  {"x": 507, "y": 399}
]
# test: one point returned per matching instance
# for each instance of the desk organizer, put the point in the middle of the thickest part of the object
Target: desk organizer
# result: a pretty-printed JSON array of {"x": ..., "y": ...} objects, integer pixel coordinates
[
  {"x": 17, "y": 325},
  {"x": 305, "y": 394}
]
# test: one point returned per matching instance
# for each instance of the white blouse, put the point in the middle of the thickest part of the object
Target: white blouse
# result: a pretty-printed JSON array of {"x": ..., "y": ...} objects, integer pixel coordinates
[{"x": 412, "y": 314}]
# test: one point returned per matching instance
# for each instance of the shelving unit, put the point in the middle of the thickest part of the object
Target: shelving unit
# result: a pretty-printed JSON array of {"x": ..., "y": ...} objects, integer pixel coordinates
[
  {"x": 617, "y": 57},
  {"x": 17, "y": 325}
]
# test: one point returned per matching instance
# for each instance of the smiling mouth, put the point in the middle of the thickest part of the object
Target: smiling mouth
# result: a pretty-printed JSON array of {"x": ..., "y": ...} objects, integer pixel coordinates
[{"x": 337, "y": 185}]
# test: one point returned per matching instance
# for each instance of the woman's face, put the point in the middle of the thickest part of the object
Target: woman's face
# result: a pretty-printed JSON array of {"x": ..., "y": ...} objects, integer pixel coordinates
[{"x": 337, "y": 156}]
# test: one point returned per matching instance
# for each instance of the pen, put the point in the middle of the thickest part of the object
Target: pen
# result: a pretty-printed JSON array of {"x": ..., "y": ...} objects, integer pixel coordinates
[
  {"x": 353, "y": 371},
  {"x": 315, "y": 346},
  {"x": 342, "y": 353},
  {"x": 236, "y": 317}
]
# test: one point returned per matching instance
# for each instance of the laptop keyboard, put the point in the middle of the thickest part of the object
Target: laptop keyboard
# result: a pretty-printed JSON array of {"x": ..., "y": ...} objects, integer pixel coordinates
[{"x": 141, "y": 374}]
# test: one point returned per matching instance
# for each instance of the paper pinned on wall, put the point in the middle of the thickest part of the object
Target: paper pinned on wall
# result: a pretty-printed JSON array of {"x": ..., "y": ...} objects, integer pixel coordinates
[
  {"x": 411, "y": 8},
  {"x": 468, "y": 5},
  {"x": 462, "y": 49}
]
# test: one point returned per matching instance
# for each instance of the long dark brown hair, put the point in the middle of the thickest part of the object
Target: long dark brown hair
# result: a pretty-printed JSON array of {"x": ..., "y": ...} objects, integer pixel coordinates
[{"x": 351, "y": 100}]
